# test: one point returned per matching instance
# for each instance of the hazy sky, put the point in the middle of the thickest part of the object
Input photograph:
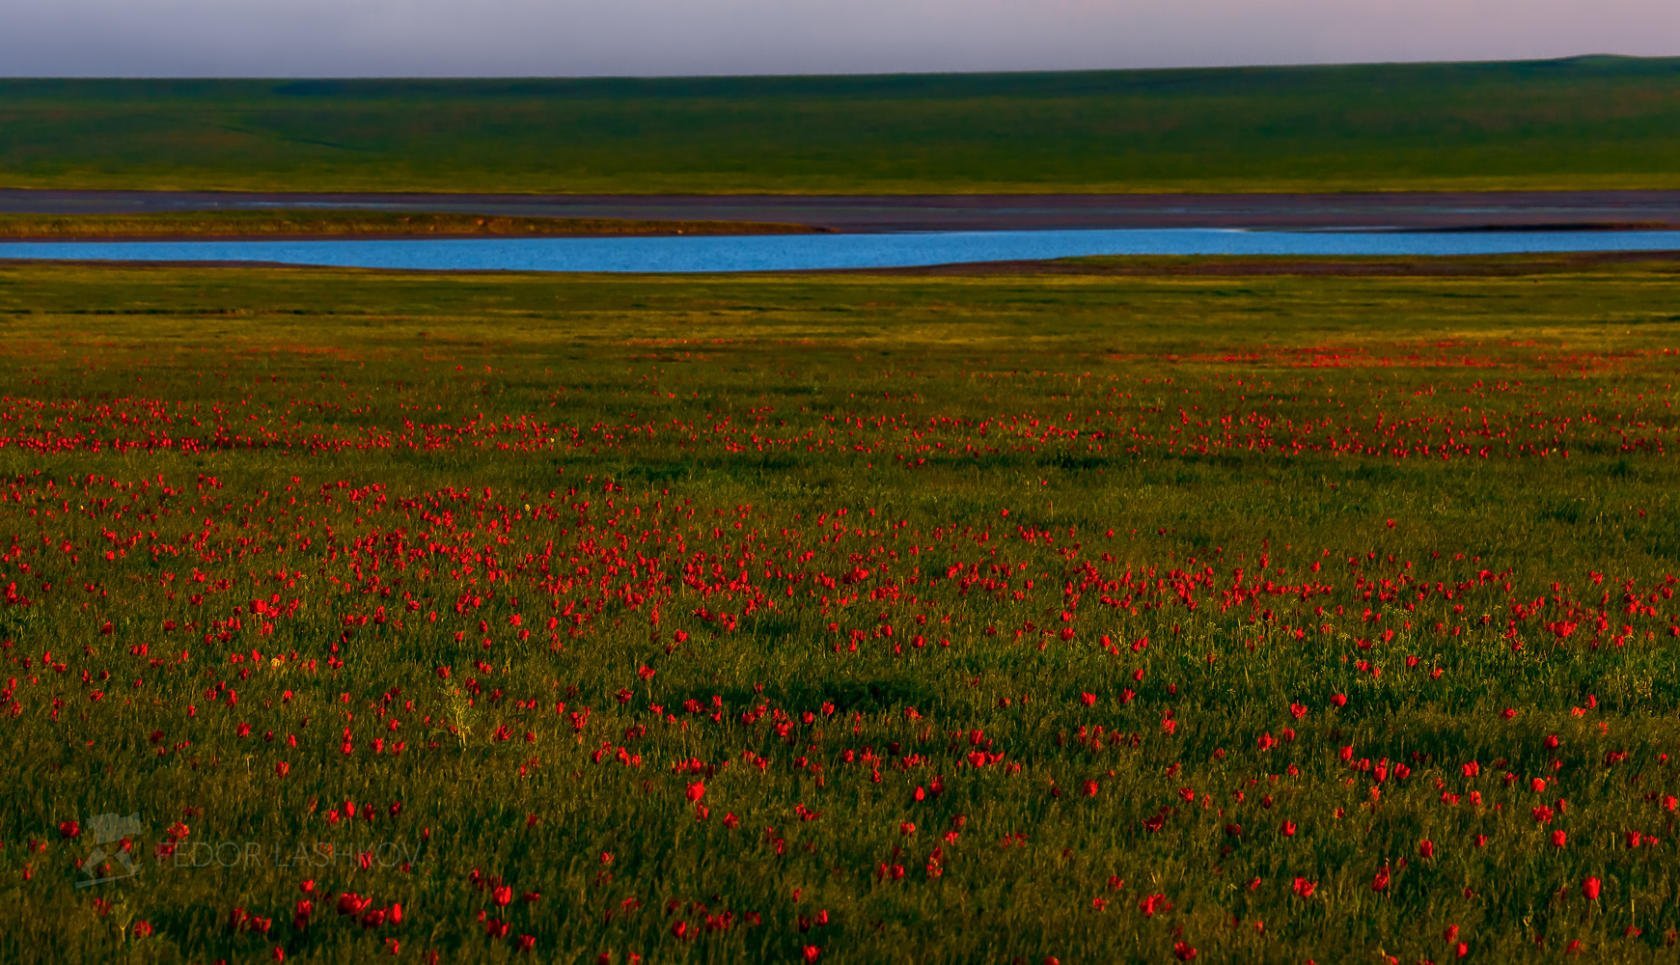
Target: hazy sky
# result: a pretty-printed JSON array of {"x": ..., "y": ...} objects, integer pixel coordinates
[{"x": 652, "y": 37}]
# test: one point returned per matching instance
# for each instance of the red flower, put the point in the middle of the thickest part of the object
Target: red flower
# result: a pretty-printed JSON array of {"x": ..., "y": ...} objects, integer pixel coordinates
[
  {"x": 1590, "y": 888},
  {"x": 351, "y": 903}
]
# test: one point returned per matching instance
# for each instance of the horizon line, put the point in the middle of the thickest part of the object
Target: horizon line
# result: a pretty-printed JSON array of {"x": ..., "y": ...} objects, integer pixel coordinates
[{"x": 1260, "y": 65}]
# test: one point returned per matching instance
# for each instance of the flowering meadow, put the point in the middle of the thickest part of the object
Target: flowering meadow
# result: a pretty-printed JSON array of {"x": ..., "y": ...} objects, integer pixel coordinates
[{"x": 1139, "y": 610}]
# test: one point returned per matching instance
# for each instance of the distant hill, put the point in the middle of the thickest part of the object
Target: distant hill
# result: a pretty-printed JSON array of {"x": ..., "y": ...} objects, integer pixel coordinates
[{"x": 1581, "y": 122}]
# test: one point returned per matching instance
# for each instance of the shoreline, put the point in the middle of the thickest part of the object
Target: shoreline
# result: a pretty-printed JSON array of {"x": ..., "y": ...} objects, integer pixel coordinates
[
  {"x": 732, "y": 213},
  {"x": 744, "y": 230},
  {"x": 322, "y": 224},
  {"x": 181, "y": 238},
  {"x": 1232, "y": 266}
]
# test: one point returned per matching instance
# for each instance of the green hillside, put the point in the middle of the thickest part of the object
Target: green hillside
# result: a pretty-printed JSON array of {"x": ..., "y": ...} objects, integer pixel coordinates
[{"x": 1598, "y": 122}]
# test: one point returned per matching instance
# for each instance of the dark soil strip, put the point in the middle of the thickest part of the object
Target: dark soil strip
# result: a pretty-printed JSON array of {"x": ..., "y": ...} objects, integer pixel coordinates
[{"x": 862, "y": 213}]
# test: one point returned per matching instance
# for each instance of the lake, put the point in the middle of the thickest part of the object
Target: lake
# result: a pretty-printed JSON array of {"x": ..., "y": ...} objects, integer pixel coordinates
[{"x": 668, "y": 254}]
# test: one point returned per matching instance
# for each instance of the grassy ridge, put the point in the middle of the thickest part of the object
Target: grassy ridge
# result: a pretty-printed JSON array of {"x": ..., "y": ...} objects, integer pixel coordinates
[
  {"x": 1577, "y": 123},
  {"x": 823, "y": 617}
]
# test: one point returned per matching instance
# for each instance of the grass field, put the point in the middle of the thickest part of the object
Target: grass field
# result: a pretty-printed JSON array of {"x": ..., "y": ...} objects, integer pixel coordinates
[
  {"x": 1580, "y": 123},
  {"x": 846, "y": 618}
]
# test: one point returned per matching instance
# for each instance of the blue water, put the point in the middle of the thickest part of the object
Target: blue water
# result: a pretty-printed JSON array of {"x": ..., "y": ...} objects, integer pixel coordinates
[{"x": 834, "y": 251}]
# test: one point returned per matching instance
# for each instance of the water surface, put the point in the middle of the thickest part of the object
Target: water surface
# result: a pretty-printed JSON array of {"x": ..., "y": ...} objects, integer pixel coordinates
[{"x": 836, "y": 251}]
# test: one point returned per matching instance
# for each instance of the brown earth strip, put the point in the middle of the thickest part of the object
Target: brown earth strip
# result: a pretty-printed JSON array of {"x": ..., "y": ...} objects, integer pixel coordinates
[
  {"x": 978, "y": 212},
  {"x": 303, "y": 225}
]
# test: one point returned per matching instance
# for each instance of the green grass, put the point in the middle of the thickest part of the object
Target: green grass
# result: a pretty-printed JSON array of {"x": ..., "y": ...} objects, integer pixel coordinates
[
  {"x": 262, "y": 517},
  {"x": 326, "y": 223},
  {"x": 1577, "y": 123}
]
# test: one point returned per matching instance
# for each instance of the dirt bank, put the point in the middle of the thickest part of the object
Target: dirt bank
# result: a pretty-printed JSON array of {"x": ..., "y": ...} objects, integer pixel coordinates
[{"x": 862, "y": 213}]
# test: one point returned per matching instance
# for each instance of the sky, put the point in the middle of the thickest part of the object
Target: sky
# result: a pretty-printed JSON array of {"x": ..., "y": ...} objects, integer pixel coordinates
[{"x": 343, "y": 38}]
